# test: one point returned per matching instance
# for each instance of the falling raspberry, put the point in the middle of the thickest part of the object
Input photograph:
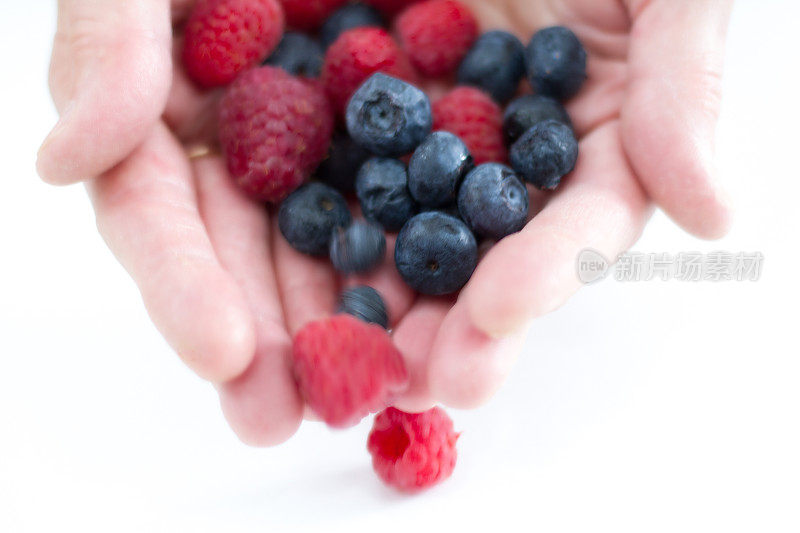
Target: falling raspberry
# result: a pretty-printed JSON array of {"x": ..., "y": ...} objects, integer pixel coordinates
[
  {"x": 412, "y": 452},
  {"x": 346, "y": 369}
]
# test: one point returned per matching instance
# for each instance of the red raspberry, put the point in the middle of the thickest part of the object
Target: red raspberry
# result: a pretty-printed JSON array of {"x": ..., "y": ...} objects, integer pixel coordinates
[
  {"x": 355, "y": 56},
  {"x": 472, "y": 115},
  {"x": 346, "y": 369},
  {"x": 391, "y": 7},
  {"x": 224, "y": 37},
  {"x": 437, "y": 34},
  {"x": 309, "y": 14},
  {"x": 411, "y": 452},
  {"x": 274, "y": 130}
]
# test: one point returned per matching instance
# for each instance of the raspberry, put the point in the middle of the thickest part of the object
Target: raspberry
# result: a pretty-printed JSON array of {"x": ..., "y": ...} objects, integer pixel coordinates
[
  {"x": 346, "y": 369},
  {"x": 412, "y": 452},
  {"x": 472, "y": 115},
  {"x": 391, "y": 7},
  {"x": 309, "y": 14},
  {"x": 355, "y": 56},
  {"x": 224, "y": 37},
  {"x": 437, "y": 34},
  {"x": 274, "y": 130}
]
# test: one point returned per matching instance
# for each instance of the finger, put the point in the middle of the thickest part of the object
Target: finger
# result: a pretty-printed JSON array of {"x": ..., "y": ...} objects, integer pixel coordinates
[
  {"x": 262, "y": 405},
  {"x": 414, "y": 336},
  {"x": 308, "y": 285},
  {"x": 110, "y": 75},
  {"x": 466, "y": 365},
  {"x": 600, "y": 206},
  {"x": 190, "y": 112},
  {"x": 147, "y": 213},
  {"x": 602, "y": 95},
  {"x": 672, "y": 106}
]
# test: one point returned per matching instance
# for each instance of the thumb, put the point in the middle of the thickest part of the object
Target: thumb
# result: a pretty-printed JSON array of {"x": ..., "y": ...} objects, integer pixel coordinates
[
  {"x": 671, "y": 110},
  {"x": 110, "y": 74}
]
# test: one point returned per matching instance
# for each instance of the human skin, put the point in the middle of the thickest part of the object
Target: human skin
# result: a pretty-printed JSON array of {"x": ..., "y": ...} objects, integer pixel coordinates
[{"x": 227, "y": 292}]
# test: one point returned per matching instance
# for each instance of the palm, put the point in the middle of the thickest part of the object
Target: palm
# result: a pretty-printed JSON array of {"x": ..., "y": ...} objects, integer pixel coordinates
[{"x": 223, "y": 285}]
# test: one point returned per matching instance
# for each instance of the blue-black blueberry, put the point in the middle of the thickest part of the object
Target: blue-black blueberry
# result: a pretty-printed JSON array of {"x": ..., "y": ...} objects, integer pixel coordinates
[
  {"x": 308, "y": 216},
  {"x": 382, "y": 189},
  {"x": 437, "y": 168},
  {"x": 556, "y": 62},
  {"x": 495, "y": 63},
  {"x": 388, "y": 116},
  {"x": 493, "y": 201},
  {"x": 364, "y": 303},
  {"x": 298, "y": 54},
  {"x": 347, "y": 17},
  {"x": 545, "y": 153},
  {"x": 358, "y": 248},
  {"x": 435, "y": 253},
  {"x": 525, "y": 112}
]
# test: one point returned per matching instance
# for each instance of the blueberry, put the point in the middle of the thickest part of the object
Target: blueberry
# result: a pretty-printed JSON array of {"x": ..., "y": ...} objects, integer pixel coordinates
[
  {"x": 382, "y": 189},
  {"x": 435, "y": 253},
  {"x": 527, "y": 111},
  {"x": 493, "y": 201},
  {"x": 365, "y": 304},
  {"x": 358, "y": 248},
  {"x": 307, "y": 217},
  {"x": 298, "y": 54},
  {"x": 346, "y": 18},
  {"x": 545, "y": 153},
  {"x": 556, "y": 62},
  {"x": 495, "y": 63},
  {"x": 345, "y": 158},
  {"x": 437, "y": 168},
  {"x": 388, "y": 116},
  {"x": 451, "y": 209}
]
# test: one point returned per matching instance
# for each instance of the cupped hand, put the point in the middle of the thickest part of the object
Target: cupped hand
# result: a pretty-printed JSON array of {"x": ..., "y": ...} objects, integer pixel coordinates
[{"x": 228, "y": 293}]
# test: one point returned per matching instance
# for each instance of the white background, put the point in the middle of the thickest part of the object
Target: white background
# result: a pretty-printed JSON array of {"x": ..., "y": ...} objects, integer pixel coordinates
[{"x": 637, "y": 407}]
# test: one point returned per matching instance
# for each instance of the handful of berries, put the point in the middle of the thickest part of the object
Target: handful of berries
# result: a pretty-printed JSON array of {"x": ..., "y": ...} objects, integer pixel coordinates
[{"x": 334, "y": 113}]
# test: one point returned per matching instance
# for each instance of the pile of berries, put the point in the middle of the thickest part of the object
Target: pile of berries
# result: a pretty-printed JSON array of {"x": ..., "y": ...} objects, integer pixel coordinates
[{"x": 324, "y": 103}]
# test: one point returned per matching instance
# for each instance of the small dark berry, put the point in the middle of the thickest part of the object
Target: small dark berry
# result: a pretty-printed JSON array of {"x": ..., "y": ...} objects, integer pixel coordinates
[
  {"x": 493, "y": 201},
  {"x": 382, "y": 189},
  {"x": 556, "y": 63},
  {"x": 389, "y": 116},
  {"x": 435, "y": 253},
  {"x": 437, "y": 168},
  {"x": 358, "y": 248},
  {"x": 307, "y": 217},
  {"x": 545, "y": 153},
  {"x": 451, "y": 209},
  {"x": 364, "y": 303},
  {"x": 496, "y": 64},
  {"x": 346, "y": 18},
  {"x": 298, "y": 54},
  {"x": 527, "y": 111},
  {"x": 345, "y": 158}
]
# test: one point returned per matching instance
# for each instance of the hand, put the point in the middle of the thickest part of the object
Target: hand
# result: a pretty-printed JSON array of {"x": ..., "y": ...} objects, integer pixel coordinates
[{"x": 227, "y": 292}]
